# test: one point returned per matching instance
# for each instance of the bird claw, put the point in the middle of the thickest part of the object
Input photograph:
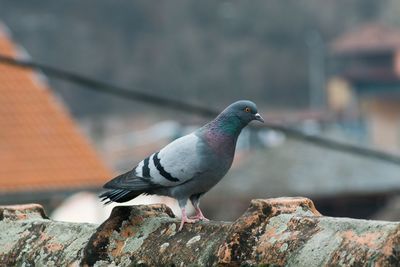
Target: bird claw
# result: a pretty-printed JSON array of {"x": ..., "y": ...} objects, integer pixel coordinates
[
  {"x": 187, "y": 220},
  {"x": 199, "y": 218}
]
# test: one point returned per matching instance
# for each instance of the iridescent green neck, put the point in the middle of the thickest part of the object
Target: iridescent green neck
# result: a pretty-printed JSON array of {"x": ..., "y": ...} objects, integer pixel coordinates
[{"x": 229, "y": 124}]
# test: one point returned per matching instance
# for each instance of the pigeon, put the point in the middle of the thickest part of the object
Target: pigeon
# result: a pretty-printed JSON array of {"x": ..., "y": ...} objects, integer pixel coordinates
[{"x": 189, "y": 166}]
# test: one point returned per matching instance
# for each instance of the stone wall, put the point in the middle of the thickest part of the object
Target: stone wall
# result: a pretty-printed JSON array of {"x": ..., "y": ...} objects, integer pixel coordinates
[{"x": 275, "y": 232}]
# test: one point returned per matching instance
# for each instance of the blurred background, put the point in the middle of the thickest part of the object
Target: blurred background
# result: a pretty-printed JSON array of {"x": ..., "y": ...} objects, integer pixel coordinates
[{"x": 328, "y": 68}]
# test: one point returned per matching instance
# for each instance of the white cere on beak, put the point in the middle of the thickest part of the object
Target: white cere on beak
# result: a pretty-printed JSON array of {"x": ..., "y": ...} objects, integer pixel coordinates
[{"x": 258, "y": 117}]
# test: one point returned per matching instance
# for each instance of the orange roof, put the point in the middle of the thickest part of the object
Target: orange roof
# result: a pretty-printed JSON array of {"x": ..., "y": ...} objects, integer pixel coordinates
[
  {"x": 40, "y": 146},
  {"x": 368, "y": 38}
]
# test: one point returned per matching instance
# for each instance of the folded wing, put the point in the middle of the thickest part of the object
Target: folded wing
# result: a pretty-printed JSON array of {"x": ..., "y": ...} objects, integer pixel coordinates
[{"x": 175, "y": 164}]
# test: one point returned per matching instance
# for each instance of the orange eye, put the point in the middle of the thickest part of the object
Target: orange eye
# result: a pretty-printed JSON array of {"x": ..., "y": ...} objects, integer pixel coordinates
[{"x": 247, "y": 109}]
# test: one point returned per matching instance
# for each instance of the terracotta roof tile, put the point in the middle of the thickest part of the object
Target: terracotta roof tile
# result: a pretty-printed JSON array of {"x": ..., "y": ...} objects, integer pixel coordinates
[
  {"x": 368, "y": 38},
  {"x": 40, "y": 146}
]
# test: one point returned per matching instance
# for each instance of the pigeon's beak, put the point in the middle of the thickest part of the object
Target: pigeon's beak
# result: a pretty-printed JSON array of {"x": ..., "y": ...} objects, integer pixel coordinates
[{"x": 258, "y": 117}]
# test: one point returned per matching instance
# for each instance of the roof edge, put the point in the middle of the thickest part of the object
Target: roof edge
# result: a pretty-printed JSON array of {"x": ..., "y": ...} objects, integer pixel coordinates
[{"x": 5, "y": 31}]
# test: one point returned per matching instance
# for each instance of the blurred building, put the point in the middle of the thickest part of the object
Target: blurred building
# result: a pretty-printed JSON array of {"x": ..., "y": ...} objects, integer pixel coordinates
[
  {"x": 340, "y": 184},
  {"x": 365, "y": 83},
  {"x": 43, "y": 155}
]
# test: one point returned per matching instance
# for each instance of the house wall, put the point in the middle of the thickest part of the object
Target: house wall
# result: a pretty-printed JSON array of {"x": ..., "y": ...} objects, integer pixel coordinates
[
  {"x": 383, "y": 122},
  {"x": 396, "y": 63},
  {"x": 339, "y": 95}
]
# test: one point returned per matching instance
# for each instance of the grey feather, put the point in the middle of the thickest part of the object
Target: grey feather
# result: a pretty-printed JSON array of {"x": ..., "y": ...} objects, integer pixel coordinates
[
  {"x": 191, "y": 165},
  {"x": 130, "y": 181}
]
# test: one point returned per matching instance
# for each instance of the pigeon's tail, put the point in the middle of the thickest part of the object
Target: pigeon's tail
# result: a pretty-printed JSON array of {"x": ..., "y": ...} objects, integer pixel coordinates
[{"x": 118, "y": 195}]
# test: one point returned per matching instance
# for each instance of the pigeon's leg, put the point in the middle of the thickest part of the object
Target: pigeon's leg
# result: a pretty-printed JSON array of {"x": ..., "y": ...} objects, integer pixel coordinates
[
  {"x": 195, "y": 199},
  {"x": 185, "y": 219}
]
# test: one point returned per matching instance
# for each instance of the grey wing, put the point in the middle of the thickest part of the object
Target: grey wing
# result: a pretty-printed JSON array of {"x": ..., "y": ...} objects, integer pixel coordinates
[
  {"x": 130, "y": 181},
  {"x": 175, "y": 164}
]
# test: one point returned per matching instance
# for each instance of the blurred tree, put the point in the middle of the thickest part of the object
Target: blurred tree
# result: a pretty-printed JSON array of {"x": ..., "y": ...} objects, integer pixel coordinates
[{"x": 208, "y": 51}]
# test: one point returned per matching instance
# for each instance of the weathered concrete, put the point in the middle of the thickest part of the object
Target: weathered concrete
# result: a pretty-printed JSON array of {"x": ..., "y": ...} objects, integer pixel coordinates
[
  {"x": 29, "y": 238},
  {"x": 274, "y": 232}
]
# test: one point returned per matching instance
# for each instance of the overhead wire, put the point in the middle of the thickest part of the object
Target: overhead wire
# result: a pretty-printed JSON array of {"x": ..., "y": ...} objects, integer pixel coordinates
[{"x": 138, "y": 95}]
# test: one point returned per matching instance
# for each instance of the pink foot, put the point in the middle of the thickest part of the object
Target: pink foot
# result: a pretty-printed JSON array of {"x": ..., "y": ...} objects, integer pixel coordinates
[
  {"x": 185, "y": 219},
  {"x": 199, "y": 217}
]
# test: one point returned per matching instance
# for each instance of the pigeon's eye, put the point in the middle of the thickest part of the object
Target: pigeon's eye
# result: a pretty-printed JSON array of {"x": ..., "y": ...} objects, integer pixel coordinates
[{"x": 247, "y": 109}]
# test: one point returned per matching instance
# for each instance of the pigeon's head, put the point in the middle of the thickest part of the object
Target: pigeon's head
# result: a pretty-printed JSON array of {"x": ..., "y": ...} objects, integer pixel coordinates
[{"x": 245, "y": 110}]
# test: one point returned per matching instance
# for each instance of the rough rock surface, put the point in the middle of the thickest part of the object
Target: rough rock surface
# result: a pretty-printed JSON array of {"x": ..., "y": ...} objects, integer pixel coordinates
[{"x": 272, "y": 232}]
